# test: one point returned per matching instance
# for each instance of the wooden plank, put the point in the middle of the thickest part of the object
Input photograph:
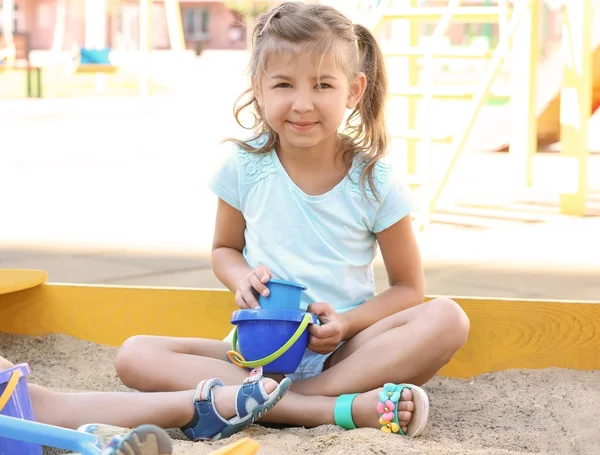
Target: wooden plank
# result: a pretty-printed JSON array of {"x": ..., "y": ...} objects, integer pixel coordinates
[
  {"x": 505, "y": 333},
  {"x": 109, "y": 315},
  {"x": 13, "y": 280},
  {"x": 511, "y": 333}
]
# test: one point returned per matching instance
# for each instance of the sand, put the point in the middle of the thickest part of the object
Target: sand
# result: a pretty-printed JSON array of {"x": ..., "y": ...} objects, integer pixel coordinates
[{"x": 549, "y": 411}]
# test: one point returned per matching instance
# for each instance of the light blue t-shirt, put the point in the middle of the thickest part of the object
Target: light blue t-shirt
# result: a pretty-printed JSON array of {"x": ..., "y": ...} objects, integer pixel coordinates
[{"x": 326, "y": 242}]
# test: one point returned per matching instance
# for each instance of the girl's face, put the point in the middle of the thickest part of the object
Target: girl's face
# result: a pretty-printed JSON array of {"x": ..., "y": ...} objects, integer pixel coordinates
[{"x": 304, "y": 98}]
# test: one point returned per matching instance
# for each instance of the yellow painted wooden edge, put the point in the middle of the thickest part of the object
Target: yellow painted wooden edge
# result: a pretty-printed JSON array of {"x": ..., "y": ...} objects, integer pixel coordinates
[
  {"x": 505, "y": 333},
  {"x": 13, "y": 280},
  {"x": 96, "y": 68}
]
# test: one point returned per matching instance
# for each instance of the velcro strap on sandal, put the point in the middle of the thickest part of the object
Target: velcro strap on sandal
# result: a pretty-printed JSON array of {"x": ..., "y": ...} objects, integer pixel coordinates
[
  {"x": 204, "y": 388},
  {"x": 249, "y": 395}
]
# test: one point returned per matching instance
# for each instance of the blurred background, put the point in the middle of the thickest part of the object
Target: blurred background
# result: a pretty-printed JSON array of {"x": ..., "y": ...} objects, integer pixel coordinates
[{"x": 112, "y": 114}]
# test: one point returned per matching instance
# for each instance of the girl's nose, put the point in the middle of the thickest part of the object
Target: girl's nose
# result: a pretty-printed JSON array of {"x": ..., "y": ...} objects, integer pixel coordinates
[{"x": 302, "y": 103}]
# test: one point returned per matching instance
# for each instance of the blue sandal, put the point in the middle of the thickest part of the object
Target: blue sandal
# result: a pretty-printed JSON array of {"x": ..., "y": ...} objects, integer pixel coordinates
[
  {"x": 387, "y": 408},
  {"x": 252, "y": 402}
]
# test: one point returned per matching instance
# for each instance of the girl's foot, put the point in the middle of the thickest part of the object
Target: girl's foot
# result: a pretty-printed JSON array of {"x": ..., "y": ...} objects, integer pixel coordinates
[
  {"x": 394, "y": 408},
  {"x": 225, "y": 397},
  {"x": 144, "y": 440},
  {"x": 367, "y": 415},
  {"x": 220, "y": 411}
]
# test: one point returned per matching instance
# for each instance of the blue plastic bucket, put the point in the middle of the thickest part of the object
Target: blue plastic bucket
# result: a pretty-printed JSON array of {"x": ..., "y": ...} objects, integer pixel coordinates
[
  {"x": 260, "y": 333},
  {"x": 19, "y": 406},
  {"x": 283, "y": 295}
]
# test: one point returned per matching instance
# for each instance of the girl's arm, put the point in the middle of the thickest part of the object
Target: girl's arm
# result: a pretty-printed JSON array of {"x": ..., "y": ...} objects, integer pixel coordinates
[
  {"x": 402, "y": 261},
  {"x": 227, "y": 261}
]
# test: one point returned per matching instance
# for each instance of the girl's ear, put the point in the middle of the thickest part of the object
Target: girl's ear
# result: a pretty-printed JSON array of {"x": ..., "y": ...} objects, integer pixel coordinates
[{"x": 357, "y": 89}]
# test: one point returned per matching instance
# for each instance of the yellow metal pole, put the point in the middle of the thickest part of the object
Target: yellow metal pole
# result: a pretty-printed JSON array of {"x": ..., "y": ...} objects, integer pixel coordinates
[
  {"x": 502, "y": 17},
  {"x": 478, "y": 98},
  {"x": 174, "y": 25},
  {"x": 525, "y": 50},
  {"x": 427, "y": 150},
  {"x": 575, "y": 105},
  {"x": 413, "y": 81},
  {"x": 145, "y": 45}
]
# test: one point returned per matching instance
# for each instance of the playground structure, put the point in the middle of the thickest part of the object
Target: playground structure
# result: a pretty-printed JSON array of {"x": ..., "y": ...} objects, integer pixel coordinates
[{"x": 547, "y": 104}]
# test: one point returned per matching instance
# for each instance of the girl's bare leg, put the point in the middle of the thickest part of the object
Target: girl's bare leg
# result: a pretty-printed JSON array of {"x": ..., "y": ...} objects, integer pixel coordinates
[
  {"x": 408, "y": 347},
  {"x": 174, "y": 409},
  {"x": 125, "y": 409},
  {"x": 5, "y": 364},
  {"x": 314, "y": 410},
  {"x": 164, "y": 364}
]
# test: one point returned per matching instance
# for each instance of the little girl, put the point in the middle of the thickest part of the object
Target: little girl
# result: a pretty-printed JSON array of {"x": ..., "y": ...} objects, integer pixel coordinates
[{"x": 307, "y": 201}]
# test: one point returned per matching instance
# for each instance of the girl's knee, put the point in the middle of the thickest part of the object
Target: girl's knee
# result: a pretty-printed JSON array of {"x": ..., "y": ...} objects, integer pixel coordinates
[
  {"x": 451, "y": 322},
  {"x": 132, "y": 358}
]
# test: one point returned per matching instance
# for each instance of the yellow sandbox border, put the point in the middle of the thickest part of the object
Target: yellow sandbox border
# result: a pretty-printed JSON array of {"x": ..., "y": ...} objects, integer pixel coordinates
[{"x": 505, "y": 333}]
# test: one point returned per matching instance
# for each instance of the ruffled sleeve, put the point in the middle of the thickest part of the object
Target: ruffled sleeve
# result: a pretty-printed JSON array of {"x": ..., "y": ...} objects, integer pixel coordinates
[
  {"x": 396, "y": 197},
  {"x": 226, "y": 181}
]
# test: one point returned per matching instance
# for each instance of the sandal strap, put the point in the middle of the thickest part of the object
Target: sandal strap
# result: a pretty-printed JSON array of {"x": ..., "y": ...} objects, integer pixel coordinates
[
  {"x": 203, "y": 391},
  {"x": 342, "y": 411},
  {"x": 248, "y": 396},
  {"x": 393, "y": 425},
  {"x": 206, "y": 421}
]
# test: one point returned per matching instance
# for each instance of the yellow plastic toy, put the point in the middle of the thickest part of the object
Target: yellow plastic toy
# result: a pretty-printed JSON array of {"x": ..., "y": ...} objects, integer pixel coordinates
[{"x": 244, "y": 446}]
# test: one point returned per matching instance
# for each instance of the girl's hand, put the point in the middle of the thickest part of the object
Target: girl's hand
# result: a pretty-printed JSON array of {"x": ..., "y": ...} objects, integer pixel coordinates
[
  {"x": 326, "y": 338},
  {"x": 246, "y": 294}
]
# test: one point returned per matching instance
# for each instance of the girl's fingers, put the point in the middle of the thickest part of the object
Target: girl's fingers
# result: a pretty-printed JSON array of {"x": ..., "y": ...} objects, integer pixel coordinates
[
  {"x": 248, "y": 297},
  {"x": 260, "y": 287}
]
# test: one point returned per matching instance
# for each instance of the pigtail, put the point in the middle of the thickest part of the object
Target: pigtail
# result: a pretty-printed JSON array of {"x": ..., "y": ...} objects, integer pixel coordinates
[{"x": 370, "y": 132}]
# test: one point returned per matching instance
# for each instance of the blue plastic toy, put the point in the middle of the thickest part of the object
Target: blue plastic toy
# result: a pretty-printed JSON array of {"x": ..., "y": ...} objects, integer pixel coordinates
[
  {"x": 283, "y": 295},
  {"x": 15, "y": 402},
  {"x": 20, "y": 434},
  {"x": 27, "y": 432},
  {"x": 274, "y": 336}
]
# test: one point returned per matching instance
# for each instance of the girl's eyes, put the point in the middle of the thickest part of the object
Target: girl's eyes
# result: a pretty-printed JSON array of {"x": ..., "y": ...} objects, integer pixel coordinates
[{"x": 288, "y": 85}]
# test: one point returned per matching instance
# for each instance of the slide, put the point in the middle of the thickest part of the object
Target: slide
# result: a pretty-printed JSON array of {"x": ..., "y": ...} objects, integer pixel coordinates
[
  {"x": 549, "y": 119},
  {"x": 492, "y": 128}
]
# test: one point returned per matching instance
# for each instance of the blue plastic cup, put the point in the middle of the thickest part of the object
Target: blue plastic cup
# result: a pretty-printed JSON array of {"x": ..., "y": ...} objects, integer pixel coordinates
[
  {"x": 19, "y": 406},
  {"x": 261, "y": 332},
  {"x": 283, "y": 295}
]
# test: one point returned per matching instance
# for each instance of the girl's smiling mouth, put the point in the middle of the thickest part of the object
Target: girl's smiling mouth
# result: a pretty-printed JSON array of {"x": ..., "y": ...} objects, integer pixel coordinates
[{"x": 302, "y": 126}]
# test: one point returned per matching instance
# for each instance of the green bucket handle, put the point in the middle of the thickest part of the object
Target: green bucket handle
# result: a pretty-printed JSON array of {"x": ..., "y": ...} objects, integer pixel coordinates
[{"x": 237, "y": 359}]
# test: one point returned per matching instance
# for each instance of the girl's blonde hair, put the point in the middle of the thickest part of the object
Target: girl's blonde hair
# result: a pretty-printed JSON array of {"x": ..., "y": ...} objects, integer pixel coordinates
[{"x": 295, "y": 27}]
